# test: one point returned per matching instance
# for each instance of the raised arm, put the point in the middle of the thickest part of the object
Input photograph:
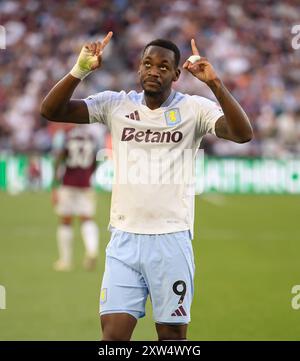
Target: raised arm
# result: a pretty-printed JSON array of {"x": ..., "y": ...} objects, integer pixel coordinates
[
  {"x": 234, "y": 125},
  {"x": 57, "y": 105}
]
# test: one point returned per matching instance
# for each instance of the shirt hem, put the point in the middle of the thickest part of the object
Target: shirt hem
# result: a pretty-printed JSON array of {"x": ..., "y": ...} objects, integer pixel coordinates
[{"x": 140, "y": 231}]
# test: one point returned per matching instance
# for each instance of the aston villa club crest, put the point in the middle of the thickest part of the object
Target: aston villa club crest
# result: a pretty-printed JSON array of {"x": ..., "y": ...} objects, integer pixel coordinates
[
  {"x": 103, "y": 296},
  {"x": 172, "y": 117}
]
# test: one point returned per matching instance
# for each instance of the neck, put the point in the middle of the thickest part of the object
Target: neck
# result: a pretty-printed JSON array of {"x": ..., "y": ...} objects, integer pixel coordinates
[{"x": 154, "y": 101}]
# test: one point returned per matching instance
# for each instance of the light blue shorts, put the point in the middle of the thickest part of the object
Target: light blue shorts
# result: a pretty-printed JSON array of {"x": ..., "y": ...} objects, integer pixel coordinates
[{"x": 161, "y": 265}]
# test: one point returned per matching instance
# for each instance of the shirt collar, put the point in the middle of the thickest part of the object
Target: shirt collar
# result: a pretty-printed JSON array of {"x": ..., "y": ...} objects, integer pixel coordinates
[{"x": 166, "y": 103}]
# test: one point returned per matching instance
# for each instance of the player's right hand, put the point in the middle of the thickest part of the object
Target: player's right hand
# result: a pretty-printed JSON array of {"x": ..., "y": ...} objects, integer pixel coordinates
[{"x": 90, "y": 57}]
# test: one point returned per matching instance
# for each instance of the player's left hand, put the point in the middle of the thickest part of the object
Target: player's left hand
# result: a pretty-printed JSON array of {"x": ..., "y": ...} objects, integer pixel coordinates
[{"x": 201, "y": 69}]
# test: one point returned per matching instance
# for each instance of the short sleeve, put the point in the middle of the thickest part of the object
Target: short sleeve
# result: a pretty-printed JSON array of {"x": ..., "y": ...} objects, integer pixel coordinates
[
  {"x": 100, "y": 106},
  {"x": 208, "y": 112}
]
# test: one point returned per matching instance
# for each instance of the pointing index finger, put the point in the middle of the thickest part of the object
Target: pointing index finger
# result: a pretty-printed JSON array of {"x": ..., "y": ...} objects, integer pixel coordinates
[
  {"x": 106, "y": 40},
  {"x": 194, "y": 48}
]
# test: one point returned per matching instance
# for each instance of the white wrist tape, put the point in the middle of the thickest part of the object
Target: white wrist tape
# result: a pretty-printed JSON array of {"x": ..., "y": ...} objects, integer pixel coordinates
[
  {"x": 83, "y": 66},
  {"x": 79, "y": 73},
  {"x": 193, "y": 58}
]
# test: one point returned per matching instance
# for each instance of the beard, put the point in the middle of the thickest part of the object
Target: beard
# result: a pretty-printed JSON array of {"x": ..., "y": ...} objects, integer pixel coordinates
[{"x": 152, "y": 93}]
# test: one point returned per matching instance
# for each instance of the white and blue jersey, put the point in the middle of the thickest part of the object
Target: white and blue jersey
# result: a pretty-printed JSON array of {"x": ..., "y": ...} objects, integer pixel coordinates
[
  {"x": 154, "y": 152},
  {"x": 152, "y": 206}
]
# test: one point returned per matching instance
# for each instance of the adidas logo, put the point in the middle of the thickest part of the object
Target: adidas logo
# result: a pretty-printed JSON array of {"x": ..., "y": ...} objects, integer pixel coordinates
[
  {"x": 135, "y": 115},
  {"x": 179, "y": 312}
]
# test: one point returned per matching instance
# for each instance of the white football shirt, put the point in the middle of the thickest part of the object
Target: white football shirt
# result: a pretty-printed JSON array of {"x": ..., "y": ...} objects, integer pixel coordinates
[{"x": 153, "y": 153}]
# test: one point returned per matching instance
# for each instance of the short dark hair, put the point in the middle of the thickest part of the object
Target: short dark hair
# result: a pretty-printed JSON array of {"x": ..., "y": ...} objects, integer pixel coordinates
[{"x": 167, "y": 44}]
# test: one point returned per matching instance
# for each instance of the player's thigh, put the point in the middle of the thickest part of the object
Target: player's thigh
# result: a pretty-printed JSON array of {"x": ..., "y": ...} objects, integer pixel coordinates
[
  {"x": 86, "y": 203},
  {"x": 169, "y": 267},
  {"x": 117, "y": 326},
  {"x": 66, "y": 201},
  {"x": 85, "y": 218},
  {"x": 171, "y": 331},
  {"x": 123, "y": 290},
  {"x": 66, "y": 220}
]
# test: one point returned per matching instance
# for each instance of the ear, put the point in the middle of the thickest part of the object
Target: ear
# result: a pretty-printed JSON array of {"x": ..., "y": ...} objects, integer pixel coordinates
[{"x": 177, "y": 74}]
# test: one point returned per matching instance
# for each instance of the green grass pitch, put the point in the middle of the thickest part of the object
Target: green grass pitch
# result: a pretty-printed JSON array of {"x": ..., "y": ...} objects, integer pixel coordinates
[{"x": 247, "y": 255}]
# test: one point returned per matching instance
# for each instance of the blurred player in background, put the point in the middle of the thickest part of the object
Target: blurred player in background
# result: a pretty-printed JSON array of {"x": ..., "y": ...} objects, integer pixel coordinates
[
  {"x": 150, "y": 252},
  {"x": 75, "y": 162}
]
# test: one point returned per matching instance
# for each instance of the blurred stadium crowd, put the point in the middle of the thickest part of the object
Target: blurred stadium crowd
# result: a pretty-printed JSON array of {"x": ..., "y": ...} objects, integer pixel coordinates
[{"x": 249, "y": 43}]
